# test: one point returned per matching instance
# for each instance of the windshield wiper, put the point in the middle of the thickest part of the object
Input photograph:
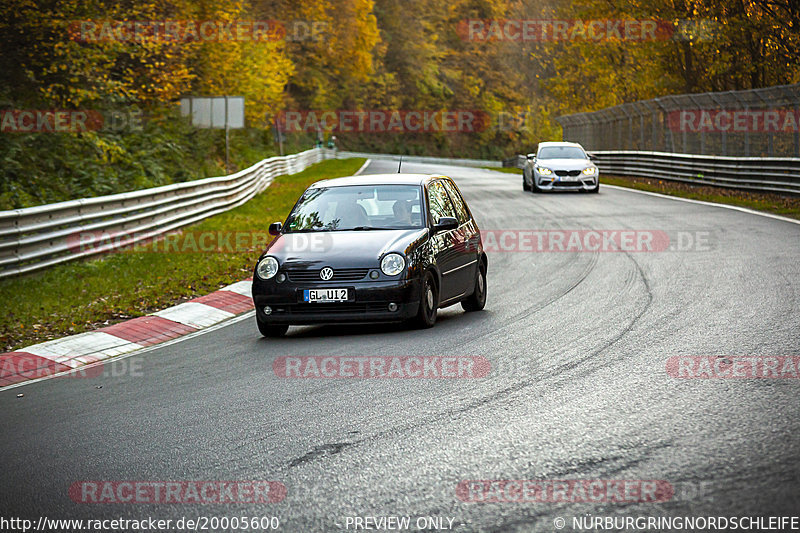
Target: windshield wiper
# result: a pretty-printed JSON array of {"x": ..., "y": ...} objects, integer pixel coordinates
[
  {"x": 304, "y": 230},
  {"x": 355, "y": 228}
]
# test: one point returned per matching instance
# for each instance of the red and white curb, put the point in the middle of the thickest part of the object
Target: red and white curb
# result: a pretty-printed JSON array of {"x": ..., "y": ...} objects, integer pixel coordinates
[{"x": 61, "y": 355}]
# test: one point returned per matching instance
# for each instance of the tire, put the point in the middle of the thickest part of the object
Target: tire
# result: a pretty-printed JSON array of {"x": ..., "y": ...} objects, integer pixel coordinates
[
  {"x": 477, "y": 300},
  {"x": 269, "y": 330},
  {"x": 525, "y": 186},
  {"x": 428, "y": 303},
  {"x": 535, "y": 188},
  {"x": 595, "y": 190}
]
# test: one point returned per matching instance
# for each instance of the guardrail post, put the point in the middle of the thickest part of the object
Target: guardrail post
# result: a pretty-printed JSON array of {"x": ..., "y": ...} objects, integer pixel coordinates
[
  {"x": 641, "y": 131},
  {"x": 747, "y": 135},
  {"x": 797, "y": 132},
  {"x": 668, "y": 133},
  {"x": 654, "y": 118},
  {"x": 724, "y": 138},
  {"x": 630, "y": 132}
]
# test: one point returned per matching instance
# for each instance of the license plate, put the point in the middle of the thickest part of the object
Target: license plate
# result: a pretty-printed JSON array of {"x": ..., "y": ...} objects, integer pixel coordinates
[
  {"x": 325, "y": 295},
  {"x": 568, "y": 178}
]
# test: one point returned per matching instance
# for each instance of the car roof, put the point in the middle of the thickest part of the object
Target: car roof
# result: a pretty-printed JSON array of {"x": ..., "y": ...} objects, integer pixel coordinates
[
  {"x": 559, "y": 143},
  {"x": 378, "y": 179}
]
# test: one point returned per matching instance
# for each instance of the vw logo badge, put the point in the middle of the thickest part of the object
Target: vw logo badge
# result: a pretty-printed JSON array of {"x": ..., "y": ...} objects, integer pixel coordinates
[{"x": 326, "y": 273}]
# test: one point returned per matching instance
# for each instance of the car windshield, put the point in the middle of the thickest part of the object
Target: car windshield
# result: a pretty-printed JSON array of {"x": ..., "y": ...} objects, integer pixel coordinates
[
  {"x": 561, "y": 152},
  {"x": 357, "y": 208}
]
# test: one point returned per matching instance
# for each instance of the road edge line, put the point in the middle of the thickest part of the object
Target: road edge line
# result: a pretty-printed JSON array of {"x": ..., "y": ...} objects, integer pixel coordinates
[
  {"x": 703, "y": 202},
  {"x": 360, "y": 170}
]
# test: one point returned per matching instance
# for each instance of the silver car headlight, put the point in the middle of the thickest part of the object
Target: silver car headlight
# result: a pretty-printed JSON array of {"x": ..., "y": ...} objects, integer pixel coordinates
[
  {"x": 591, "y": 171},
  {"x": 267, "y": 268},
  {"x": 392, "y": 264},
  {"x": 544, "y": 171}
]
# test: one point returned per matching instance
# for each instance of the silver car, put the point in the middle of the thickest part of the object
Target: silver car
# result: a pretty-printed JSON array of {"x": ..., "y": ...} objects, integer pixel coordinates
[{"x": 560, "y": 166}]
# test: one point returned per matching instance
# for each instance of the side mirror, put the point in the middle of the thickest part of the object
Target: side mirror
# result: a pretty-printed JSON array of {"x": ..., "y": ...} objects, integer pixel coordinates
[
  {"x": 590, "y": 156},
  {"x": 445, "y": 224},
  {"x": 275, "y": 228},
  {"x": 531, "y": 157}
]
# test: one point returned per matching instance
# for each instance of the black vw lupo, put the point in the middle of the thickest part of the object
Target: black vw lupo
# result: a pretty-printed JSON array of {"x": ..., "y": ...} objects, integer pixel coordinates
[{"x": 376, "y": 248}]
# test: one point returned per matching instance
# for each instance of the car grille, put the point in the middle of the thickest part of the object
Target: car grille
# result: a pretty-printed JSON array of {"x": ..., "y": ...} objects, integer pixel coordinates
[
  {"x": 342, "y": 274},
  {"x": 334, "y": 308},
  {"x": 568, "y": 172},
  {"x": 567, "y": 184}
]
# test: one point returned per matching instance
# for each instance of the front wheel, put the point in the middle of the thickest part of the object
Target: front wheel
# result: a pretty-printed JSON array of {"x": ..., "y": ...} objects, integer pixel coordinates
[
  {"x": 596, "y": 189},
  {"x": 525, "y": 186},
  {"x": 428, "y": 303},
  {"x": 477, "y": 301},
  {"x": 271, "y": 330}
]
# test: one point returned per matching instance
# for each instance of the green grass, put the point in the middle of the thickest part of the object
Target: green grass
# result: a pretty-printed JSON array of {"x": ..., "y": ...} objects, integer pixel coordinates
[
  {"x": 788, "y": 206},
  {"x": 507, "y": 170},
  {"x": 84, "y": 295}
]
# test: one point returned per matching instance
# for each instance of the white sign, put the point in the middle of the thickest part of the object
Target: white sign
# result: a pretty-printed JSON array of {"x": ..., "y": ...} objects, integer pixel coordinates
[{"x": 214, "y": 112}]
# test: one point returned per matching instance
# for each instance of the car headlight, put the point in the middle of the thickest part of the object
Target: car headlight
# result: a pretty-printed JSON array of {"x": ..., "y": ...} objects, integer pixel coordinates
[
  {"x": 392, "y": 264},
  {"x": 589, "y": 171},
  {"x": 267, "y": 268},
  {"x": 544, "y": 171}
]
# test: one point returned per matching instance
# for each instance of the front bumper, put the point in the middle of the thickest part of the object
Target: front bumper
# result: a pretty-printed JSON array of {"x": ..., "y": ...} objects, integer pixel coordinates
[
  {"x": 558, "y": 183},
  {"x": 369, "y": 302}
]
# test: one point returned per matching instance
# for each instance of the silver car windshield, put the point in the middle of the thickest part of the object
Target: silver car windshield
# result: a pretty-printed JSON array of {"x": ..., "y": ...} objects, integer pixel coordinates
[
  {"x": 357, "y": 208},
  {"x": 561, "y": 152}
]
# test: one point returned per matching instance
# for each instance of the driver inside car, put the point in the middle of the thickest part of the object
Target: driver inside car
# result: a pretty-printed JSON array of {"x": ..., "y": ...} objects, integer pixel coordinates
[{"x": 402, "y": 213}]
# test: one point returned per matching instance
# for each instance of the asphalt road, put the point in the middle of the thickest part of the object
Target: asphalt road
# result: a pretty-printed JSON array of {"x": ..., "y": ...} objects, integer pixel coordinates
[{"x": 578, "y": 343}]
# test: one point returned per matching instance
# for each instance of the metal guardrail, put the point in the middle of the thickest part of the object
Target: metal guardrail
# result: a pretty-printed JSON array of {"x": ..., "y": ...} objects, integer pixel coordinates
[
  {"x": 765, "y": 174},
  {"x": 518, "y": 161},
  {"x": 37, "y": 237}
]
